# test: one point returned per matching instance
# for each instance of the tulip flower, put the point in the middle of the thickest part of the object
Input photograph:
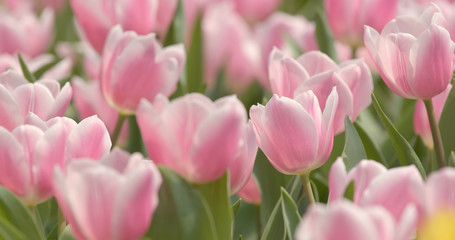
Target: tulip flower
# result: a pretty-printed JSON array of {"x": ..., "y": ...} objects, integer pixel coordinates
[
  {"x": 18, "y": 27},
  {"x": 295, "y": 134},
  {"x": 18, "y": 97},
  {"x": 194, "y": 136},
  {"x": 135, "y": 67},
  {"x": 317, "y": 72},
  {"x": 439, "y": 191},
  {"x": 32, "y": 151},
  {"x": 345, "y": 221},
  {"x": 277, "y": 31},
  {"x": 421, "y": 123},
  {"x": 61, "y": 70},
  {"x": 254, "y": 10},
  {"x": 413, "y": 56},
  {"x": 250, "y": 193},
  {"x": 229, "y": 41},
  {"x": 395, "y": 189},
  {"x": 111, "y": 199},
  {"x": 347, "y": 18},
  {"x": 96, "y": 17}
]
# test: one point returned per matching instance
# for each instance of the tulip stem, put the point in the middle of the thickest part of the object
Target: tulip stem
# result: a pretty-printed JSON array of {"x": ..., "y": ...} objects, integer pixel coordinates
[
  {"x": 438, "y": 147},
  {"x": 307, "y": 188},
  {"x": 118, "y": 128}
]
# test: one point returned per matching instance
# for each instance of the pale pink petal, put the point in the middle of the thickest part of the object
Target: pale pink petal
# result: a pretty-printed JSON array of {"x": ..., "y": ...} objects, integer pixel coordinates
[
  {"x": 9, "y": 110},
  {"x": 439, "y": 190},
  {"x": 316, "y": 62},
  {"x": 337, "y": 180}
]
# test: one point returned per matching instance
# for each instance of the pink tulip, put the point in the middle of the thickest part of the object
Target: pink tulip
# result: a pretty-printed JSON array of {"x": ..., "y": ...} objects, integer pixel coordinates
[
  {"x": 229, "y": 41},
  {"x": 135, "y": 67},
  {"x": 421, "y": 123},
  {"x": 32, "y": 151},
  {"x": 96, "y": 17},
  {"x": 250, "y": 193},
  {"x": 395, "y": 189},
  {"x": 279, "y": 29},
  {"x": 18, "y": 97},
  {"x": 347, "y": 18},
  {"x": 295, "y": 134},
  {"x": 194, "y": 136},
  {"x": 317, "y": 72},
  {"x": 111, "y": 199},
  {"x": 439, "y": 191},
  {"x": 38, "y": 4},
  {"x": 241, "y": 167},
  {"x": 413, "y": 56},
  {"x": 254, "y": 10},
  {"x": 345, "y": 221},
  {"x": 88, "y": 100},
  {"x": 164, "y": 16},
  {"x": 19, "y": 27}
]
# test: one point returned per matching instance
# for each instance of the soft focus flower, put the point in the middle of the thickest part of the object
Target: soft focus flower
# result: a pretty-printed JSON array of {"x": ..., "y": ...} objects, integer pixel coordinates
[
  {"x": 347, "y": 18},
  {"x": 250, "y": 193},
  {"x": 30, "y": 152},
  {"x": 421, "y": 123},
  {"x": 413, "y": 56},
  {"x": 111, "y": 199},
  {"x": 194, "y": 136},
  {"x": 393, "y": 189},
  {"x": 23, "y": 32},
  {"x": 18, "y": 4},
  {"x": 135, "y": 67},
  {"x": 228, "y": 41},
  {"x": 345, "y": 221},
  {"x": 88, "y": 100},
  {"x": 254, "y": 10},
  {"x": 97, "y": 17},
  {"x": 317, "y": 72},
  {"x": 18, "y": 97},
  {"x": 277, "y": 31},
  {"x": 440, "y": 191},
  {"x": 295, "y": 134}
]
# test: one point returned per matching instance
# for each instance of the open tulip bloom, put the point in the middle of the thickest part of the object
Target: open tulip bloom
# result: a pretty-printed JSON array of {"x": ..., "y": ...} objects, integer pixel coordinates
[{"x": 246, "y": 119}]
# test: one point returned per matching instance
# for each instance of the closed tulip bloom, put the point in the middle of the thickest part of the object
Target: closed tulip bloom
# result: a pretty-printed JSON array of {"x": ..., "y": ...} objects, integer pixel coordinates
[
  {"x": 345, "y": 221},
  {"x": 96, "y": 17},
  {"x": 317, "y": 72},
  {"x": 347, "y": 18},
  {"x": 19, "y": 97},
  {"x": 421, "y": 123},
  {"x": 135, "y": 67},
  {"x": 18, "y": 27},
  {"x": 295, "y": 134},
  {"x": 32, "y": 151},
  {"x": 251, "y": 193},
  {"x": 111, "y": 199},
  {"x": 255, "y": 10},
  {"x": 413, "y": 55},
  {"x": 194, "y": 136}
]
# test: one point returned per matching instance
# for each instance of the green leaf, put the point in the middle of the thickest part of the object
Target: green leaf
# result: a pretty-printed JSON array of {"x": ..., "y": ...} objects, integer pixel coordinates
[
  {"x": 48, "y": 212},
  {"x": 182, "y": 212},
  {"x": 353, "y": 151},
  {"x": 349, "y": 192},
  {"x": 446, "y": 123},
  {"x": 135, "y": 143},
  {"x": 216, "y": 194},
  {"x": 27, "y": 74},
  {"x": 8, "y": 231},
  {"x": 274, "y": 229},
  {"x": 290, "y": 213},
  {"x": 324, "y": 35},
  {"x": 236, "y": 207},
  {"x": 67, "y": 234},
  {"x": 247, "y": 222},
  {"x": 269, "y": 181},
  {"x": 42, "y": 70},
  {"x": 405, "y": 152},
  {"x": 12, "y": 209},
  {"x": 371, "y": 149},
  {"x": 195, "y": 62},
  {"x": 176, "y": 32}
]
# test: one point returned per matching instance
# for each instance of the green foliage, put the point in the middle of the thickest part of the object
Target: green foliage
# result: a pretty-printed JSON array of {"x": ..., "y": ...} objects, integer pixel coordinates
[{"x": 353, "y": 151}]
